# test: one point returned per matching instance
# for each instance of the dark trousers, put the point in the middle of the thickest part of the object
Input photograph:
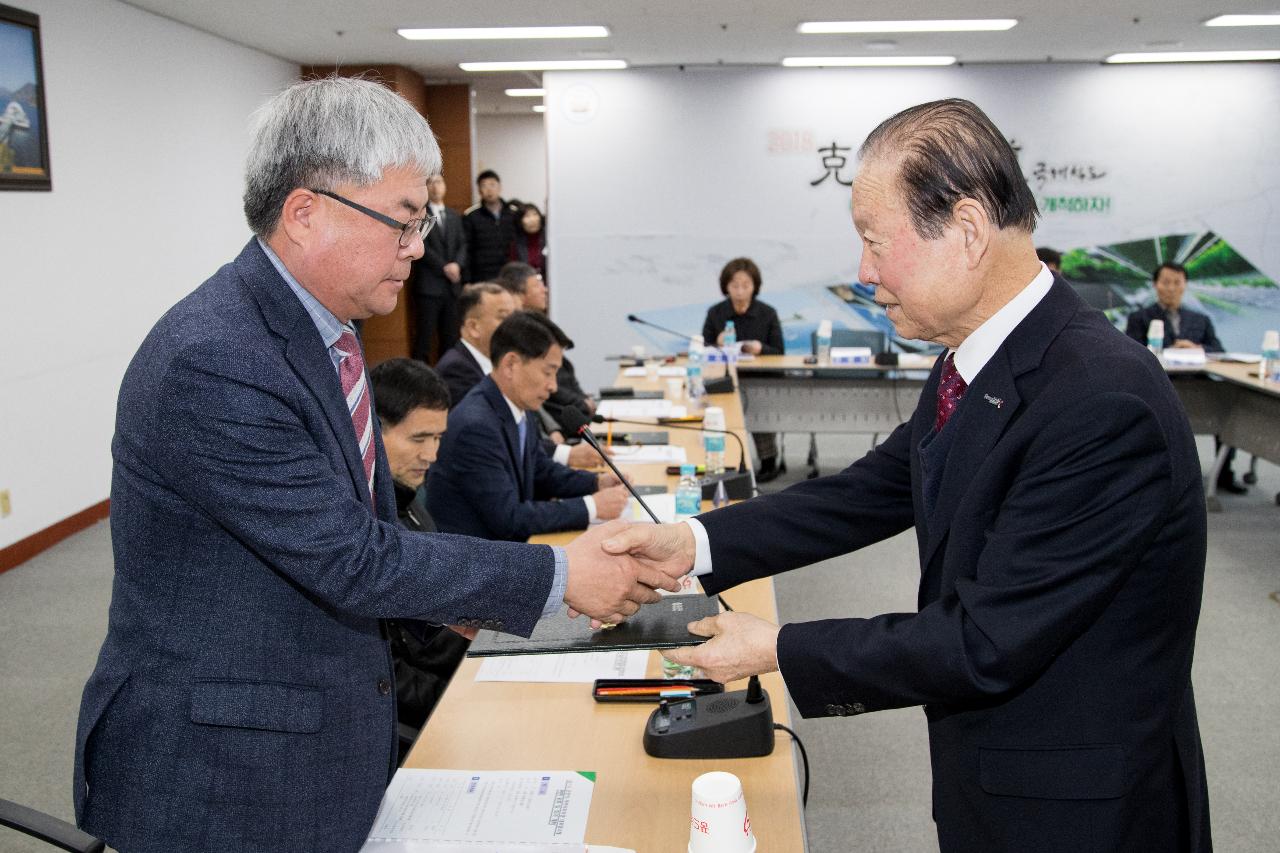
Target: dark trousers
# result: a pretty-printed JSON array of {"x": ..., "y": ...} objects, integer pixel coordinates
[{"x": 435, "y": 315}]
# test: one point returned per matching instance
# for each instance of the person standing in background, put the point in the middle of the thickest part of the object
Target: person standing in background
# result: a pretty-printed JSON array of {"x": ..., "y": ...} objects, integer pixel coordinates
[
  {"x": 530, "y": 243},
  {"x": 490, "y": 228},
  {"x": 438, "y": 275}
]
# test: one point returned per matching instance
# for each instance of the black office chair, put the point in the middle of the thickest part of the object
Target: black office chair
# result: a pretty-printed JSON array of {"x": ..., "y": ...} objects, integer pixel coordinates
[
  {"x": 47, "y": 828},
  {"x": 875, "y": 340}
]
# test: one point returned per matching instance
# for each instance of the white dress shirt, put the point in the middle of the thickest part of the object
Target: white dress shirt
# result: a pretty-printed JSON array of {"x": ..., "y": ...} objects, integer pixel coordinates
[{"x": 971, "y": 356}]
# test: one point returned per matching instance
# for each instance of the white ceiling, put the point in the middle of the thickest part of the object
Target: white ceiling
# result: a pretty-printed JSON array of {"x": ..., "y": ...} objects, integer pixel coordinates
[{"x": 704, "y": 32}]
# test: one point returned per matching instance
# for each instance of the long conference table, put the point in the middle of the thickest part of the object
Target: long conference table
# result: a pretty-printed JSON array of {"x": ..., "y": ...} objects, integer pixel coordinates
[
  {"x": 784, "y": 394},
  {"x": 639, "y": 802}
]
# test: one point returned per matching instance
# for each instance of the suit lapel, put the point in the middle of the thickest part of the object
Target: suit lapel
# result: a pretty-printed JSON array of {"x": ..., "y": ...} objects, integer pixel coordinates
[
  {"x": 991, "y": 402},
  {"x": 306, "y": 354},
  {"x": 979, "y": 422},
  {"x": 510, "y": 433}
]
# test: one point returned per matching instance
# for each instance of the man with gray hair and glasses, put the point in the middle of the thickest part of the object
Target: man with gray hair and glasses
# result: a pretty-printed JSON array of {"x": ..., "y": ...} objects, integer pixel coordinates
[{"x": 243, "y": 697}]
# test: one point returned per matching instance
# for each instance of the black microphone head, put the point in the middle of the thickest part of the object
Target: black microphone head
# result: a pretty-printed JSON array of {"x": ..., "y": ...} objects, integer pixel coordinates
[
  {"x": 600, "y": 419},
  {"x": 573, "y": 420},
  {"x": 632, "y": 318}
]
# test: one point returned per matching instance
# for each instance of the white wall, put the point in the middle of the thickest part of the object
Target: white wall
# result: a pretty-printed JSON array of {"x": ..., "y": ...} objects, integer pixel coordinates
[
  {"x": 514, "y": 146},
  {"x": 658, "y": 176},
  {"x": 148, "y": 128}
]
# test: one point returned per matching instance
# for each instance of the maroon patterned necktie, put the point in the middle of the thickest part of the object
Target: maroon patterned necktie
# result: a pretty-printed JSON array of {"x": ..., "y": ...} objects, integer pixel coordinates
[
  {"x": 355, "y": 387},
  {"x": 951, "y": 388}
]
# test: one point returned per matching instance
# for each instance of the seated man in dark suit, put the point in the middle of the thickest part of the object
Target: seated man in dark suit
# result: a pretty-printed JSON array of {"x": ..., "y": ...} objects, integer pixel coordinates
[
  {"x": 413, "y": 406},
  {"x": 483, "y": 306},
  {"x": 1183, "y": 327},
  {"x": 494, "y": 479}
]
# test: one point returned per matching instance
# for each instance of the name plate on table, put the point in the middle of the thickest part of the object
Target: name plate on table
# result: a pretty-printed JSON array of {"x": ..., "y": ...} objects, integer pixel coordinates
[
  {"x": 851, "y": 355},
  {"x": 663, "y": 625}
]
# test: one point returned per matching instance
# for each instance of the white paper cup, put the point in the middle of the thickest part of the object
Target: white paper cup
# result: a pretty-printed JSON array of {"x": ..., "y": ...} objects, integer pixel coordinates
[
  {"x": 651, "y": 368},
  {"x": 719, "y": 821},
  {"x": 675, "y": 388},
  {"x": 637, "y": 351}
]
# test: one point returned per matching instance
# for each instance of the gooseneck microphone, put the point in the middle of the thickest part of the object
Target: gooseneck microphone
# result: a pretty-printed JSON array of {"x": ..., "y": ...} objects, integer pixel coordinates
[
  {"x": 576, "y": 422},
  {"x": 723, "y": 385},
  {"x": 742, "y": 448}
]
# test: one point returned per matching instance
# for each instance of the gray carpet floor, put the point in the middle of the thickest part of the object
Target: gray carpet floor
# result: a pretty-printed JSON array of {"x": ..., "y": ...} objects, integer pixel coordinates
[{"x": 870, "y": 786}]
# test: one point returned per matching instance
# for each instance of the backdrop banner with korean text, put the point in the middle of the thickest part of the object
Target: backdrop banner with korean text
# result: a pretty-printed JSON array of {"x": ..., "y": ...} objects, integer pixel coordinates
[{"x": 657, "y": 177}]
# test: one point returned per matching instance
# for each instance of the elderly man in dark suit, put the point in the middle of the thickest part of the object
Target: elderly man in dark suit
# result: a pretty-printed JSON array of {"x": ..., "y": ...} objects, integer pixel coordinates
[
  {"x": 242, "y": 699},
  {"x": 1052, "y": 480},
  {"x": 437, "y": 276},
  {"x": 494, "y": 478}
]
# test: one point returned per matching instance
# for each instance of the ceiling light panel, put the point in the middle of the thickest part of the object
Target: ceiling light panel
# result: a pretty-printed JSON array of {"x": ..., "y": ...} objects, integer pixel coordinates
[
  {"x": 947, "y": 26},
  {"x": 1272, "y": 20},
  {"x": 864, "y": 61},
  {"x": 495, "y": 33},
  {"x": 1195, "y": 56},
  {"x": 547, "y": 65}
]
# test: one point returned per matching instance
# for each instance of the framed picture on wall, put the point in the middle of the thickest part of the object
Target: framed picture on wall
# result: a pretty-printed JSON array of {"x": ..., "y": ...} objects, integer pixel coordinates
[{"x": 24, "y": 125}]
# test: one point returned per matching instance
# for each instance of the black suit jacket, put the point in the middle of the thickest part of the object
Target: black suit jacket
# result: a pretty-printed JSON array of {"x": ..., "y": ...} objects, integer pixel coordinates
[
  {"x": 760, "y": 323},
  {"x": 460, "y": 371},
  {"x": 1061, "y": 574},
  {"x": 487, "y": 484},
  {"x": 1193, "y": 326},
  {"x": 447, "y": 245}
]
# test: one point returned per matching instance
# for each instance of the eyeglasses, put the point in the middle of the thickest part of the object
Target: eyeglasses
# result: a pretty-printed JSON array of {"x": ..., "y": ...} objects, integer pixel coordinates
[{"x": 422, "y": 227}]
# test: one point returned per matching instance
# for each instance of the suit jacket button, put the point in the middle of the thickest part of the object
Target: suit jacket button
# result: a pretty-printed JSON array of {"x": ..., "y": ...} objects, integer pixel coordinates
[
  {"x": 832, "y": 710},
  {"x": 384, "y": 687},
  {"x": 497, "y": 624},
  {"x": 857, "y": 708}
]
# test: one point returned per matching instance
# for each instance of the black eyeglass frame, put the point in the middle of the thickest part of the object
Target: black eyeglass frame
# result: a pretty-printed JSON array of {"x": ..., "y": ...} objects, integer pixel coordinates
[{"x": 422, "y": 225}]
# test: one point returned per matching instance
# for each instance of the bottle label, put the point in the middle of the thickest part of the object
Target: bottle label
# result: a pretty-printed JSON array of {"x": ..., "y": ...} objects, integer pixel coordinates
[
  {"x": 713, "y": 443},
  {"x": 688, "y": 503}
]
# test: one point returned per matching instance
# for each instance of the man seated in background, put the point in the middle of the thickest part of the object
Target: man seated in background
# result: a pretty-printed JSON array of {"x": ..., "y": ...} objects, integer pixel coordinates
[
  {"x": 1183, "y": 327},
  {"x": 494, "y": 479},
  {"x": 526, "y": 286},
  {"x": 483, "y": 306},
  {"x": 413, "y": 407}
]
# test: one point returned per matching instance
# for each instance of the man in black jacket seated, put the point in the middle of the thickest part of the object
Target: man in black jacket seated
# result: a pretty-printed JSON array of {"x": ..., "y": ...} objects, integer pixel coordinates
[
  {"x": 413, "y": 407},
  {"x": 483, "y": 306},
  {"x": 1183, "y": 328}
]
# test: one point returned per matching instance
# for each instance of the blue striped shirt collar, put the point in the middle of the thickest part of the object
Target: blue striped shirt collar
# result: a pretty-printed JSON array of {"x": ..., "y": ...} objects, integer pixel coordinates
[{"x": 326, "y": 324}]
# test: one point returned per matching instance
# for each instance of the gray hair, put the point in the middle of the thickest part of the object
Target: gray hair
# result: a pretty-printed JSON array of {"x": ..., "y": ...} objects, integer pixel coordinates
[{"x": 323, "y": 133}]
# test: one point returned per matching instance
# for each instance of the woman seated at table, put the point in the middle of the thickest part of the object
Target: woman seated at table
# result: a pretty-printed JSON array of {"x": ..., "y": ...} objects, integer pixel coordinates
[{"x": 758, "y": 330}]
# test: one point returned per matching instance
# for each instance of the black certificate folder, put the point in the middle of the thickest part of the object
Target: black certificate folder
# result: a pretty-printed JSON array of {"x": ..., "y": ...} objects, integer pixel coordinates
[{"x": 663, "y": 625}]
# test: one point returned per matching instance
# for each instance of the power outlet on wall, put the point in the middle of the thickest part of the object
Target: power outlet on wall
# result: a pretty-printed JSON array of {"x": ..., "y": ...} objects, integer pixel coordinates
[{"x": 5, "y": 506}]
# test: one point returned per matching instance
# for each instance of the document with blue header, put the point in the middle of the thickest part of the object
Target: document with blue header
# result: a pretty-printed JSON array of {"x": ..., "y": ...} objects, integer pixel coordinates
[{"x": 482, "y": 811}]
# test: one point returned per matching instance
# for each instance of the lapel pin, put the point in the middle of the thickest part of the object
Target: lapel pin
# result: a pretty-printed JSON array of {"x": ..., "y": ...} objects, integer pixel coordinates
[{"x": 995, "y": 401}]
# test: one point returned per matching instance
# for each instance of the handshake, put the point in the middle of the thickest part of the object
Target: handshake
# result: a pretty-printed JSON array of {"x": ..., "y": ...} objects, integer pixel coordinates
[{"x": 616, "y": 567}]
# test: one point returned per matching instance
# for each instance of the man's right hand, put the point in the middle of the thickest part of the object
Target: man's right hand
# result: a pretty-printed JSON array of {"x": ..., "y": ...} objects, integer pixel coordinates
[
  {"x": 453, "y": 272},
  {"x": 611, "y": 502},
  {"x": 610, "y": 588},
  {"x": 669, "y": 548}
]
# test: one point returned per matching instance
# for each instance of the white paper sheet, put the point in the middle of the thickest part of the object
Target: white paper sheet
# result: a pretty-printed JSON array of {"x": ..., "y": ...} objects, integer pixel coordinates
[
  {"x": 577, "y": 668},
  {"x": 665, "y": 370},
  {"x": 482, "y": 811},
  {"x": 627, "y": 409},
  {"x": 663, "y": 506},
  {"x": 650, "y": 454}
]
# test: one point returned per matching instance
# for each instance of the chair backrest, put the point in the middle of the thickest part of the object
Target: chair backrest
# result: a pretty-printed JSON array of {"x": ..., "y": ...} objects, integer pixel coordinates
[
  {"x": 47, "y": 828},
  {"x": 874, "y": 339}
]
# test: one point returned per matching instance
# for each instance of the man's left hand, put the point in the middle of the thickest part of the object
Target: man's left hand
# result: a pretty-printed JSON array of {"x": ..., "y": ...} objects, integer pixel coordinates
[
  {"x": 752, "y": 347},
  {"x": 584, "y": 455},
  {"x": 607, "y": 479},
  {"x": 741, "y": 645}
]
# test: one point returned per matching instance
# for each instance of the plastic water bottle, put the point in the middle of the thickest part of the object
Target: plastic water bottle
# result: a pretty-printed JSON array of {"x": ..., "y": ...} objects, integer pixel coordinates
[
  {"x": 694, "y": 371},
  {"x": 824, "y": 342},
  {"x": 688, "y": 493},
  {"x": 1270, "y": 367},
  {"x": 712, "y": 441},
  {"x": 1155, "y": 337},
  {"x": 730, "y": 340}
]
